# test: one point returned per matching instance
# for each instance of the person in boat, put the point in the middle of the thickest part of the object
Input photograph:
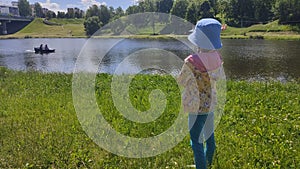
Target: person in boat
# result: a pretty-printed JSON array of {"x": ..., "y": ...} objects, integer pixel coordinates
[
  {"x": 41, "y": 47},
  {"x": 46, "y": 47}
]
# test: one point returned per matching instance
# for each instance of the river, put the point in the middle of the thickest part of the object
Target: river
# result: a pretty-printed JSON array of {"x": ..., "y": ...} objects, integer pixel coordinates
[{"x": 243, "y": 59}]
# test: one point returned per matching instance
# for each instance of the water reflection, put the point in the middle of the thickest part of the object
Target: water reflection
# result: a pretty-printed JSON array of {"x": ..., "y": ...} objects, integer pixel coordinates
[
  {"x": 134, "y": 56},
  {"x": 260, "y": 58}
]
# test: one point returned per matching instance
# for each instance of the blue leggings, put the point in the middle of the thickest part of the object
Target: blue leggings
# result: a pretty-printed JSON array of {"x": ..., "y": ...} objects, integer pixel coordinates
[{"x": 202, "y": 139}]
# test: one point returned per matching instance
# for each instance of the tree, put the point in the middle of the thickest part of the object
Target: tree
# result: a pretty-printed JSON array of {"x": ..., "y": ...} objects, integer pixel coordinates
[
  {"x": 50, "y": 14},
  {"x": 92, "y": 25},
  {"x": 112, "y": 12},
  {"x": 192, "y": 14},
  {"x": 288, "y": 11},
  {"x": 92, "y": 11},
  {"x": 70, "y": 13},
  {"x": 240, "y": 13},
  {"x": 222, "y": 7},
  {"x": 179, "y": 8},
  {"x": 61, "y": 14},
  {"x": 120, "y": 12},
  {"x": 263, "y": 10},
  {"x": 38, "y": 10},
  {"x": 205, "y": 10},
  {"x": 132, "y": 10},
  {"x": 104, "y": 15},
  {"x": 213, "y": 5},
  {"x": 149, "y": 6},
  {"x": 164, "y": 6},
  {"x": 117, "y": 13},
  {"x": 78, "y": 14},
  {"x": 24, "y": 8}
]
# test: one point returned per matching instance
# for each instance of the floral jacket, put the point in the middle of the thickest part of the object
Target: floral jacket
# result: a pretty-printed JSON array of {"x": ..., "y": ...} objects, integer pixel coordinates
[{"x": 198, "y": 76}]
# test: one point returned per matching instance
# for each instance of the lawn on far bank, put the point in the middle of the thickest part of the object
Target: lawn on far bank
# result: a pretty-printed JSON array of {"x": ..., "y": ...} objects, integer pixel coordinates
[
  {"x": 271, "y": 30},
  {"x": 60, "y": 28},
  {"x": 260, "y": 127}
]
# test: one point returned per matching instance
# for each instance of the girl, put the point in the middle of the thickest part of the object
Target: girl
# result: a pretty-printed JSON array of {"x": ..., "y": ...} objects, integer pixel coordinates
[{"x": 198, "y": 77}]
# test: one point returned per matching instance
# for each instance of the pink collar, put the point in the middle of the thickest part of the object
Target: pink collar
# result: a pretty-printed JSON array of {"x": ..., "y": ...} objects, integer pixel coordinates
[{"x": 205, "y": 61}]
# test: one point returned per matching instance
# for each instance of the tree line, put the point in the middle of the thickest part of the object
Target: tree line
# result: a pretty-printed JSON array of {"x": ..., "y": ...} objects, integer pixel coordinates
[{"x": 237, "y": 13}]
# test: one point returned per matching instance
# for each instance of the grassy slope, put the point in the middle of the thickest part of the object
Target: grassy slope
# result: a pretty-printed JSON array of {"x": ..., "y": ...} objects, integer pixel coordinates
[
  {"x": 271, "y": 30},
  {"x": 39, "y": 127},
  {"x": 69, "y": 28}
]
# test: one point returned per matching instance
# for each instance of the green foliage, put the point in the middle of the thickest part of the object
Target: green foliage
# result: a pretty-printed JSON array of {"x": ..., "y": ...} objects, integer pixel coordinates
[
  {"x": 240, "y": 13},
  {"x": 38, "y": 10},
  {"x": 24, "y": 8},
  {"x": 244, "y": 13},
  {"x": 92, "y": 11},
  {"x": 192, "y": 14},
  {"x": 91, "y": 25},
  {"x": 70, "y": 14},
  {"x": 116, "y": 13},
  {"x": 236, "y": 13},
  {"x": 50, "y": 15},
  {"x": 132, "y": 10},
  {"x": 104, "y": 15},
  {"x": 180, "y": 8},
  {"x": 164, "y": 6},
  {"x": 95, "y": 18},
  {"x": 288, "y": 11},
  {"x": 39, "y": 127},
  {"x": 61, "y": 14},
  {"x": 206, "y": 11}
]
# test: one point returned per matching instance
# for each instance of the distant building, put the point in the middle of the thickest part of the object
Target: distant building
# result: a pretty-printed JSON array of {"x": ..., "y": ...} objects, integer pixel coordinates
[
  {"x": 14, "y": 11},
  {"x": 45, "y": 10},
  {"x": 70, "y": 10},
  {"x": 75, "y": 12},
  {"x": 14, "y": 3},
  {"x": 9, "y": 10},
  {"x": 32, "y": 9},
  {"x": 4, "y": 10}
]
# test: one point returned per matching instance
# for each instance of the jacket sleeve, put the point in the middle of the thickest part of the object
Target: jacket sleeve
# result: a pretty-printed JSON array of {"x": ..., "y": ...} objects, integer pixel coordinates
[{"x": 184, "y": 75}]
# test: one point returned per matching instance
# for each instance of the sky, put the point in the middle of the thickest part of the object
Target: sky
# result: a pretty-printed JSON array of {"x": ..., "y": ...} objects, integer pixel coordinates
[{"x": 62, "y": 5}]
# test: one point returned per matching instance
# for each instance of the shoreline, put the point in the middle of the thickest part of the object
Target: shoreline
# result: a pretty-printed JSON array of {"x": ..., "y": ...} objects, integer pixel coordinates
[
  {"x": 72, "y": 28},
  {"x": 257, "y": 36},
  {"x": 262, "y": 79}
]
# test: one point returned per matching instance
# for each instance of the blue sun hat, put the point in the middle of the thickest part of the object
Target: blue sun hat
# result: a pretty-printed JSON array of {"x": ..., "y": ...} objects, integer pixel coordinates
[{"x": 207, "y": 34}]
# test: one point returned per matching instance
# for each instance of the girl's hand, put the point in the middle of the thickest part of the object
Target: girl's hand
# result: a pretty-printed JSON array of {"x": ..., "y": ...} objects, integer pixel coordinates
[{"x": 224, "y": 27}]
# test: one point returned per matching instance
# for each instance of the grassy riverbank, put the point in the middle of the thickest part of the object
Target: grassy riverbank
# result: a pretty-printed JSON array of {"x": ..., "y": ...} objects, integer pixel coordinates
[
  {"x": 66, "y": 28},
  {"x": 272, "y": 30},
  {"x": 39, "y": 127},
  {"x": 61, "y": 28}
]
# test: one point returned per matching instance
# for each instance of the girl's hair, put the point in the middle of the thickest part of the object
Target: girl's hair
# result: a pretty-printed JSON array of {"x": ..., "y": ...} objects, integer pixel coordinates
[{"x": 200, "y": 50}]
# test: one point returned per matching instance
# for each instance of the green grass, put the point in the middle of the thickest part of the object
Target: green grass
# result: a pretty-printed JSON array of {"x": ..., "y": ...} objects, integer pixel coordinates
[
  {"x": 272, "y": 30},
  {"x": 37, "y": 29},
  {"x": 39, "y": 127}
]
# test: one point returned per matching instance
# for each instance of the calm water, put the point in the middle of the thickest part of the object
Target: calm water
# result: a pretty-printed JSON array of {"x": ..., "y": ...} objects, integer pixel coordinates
[{"x": 243, "y": 59}]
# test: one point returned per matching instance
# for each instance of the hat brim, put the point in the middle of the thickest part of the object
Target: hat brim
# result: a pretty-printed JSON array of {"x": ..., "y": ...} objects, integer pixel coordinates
[{"x": 200, "y": 39}]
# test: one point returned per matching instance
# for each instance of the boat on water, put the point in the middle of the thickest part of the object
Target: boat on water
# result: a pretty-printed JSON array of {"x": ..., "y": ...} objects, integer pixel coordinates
[{"x": 38, "y": 50}]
